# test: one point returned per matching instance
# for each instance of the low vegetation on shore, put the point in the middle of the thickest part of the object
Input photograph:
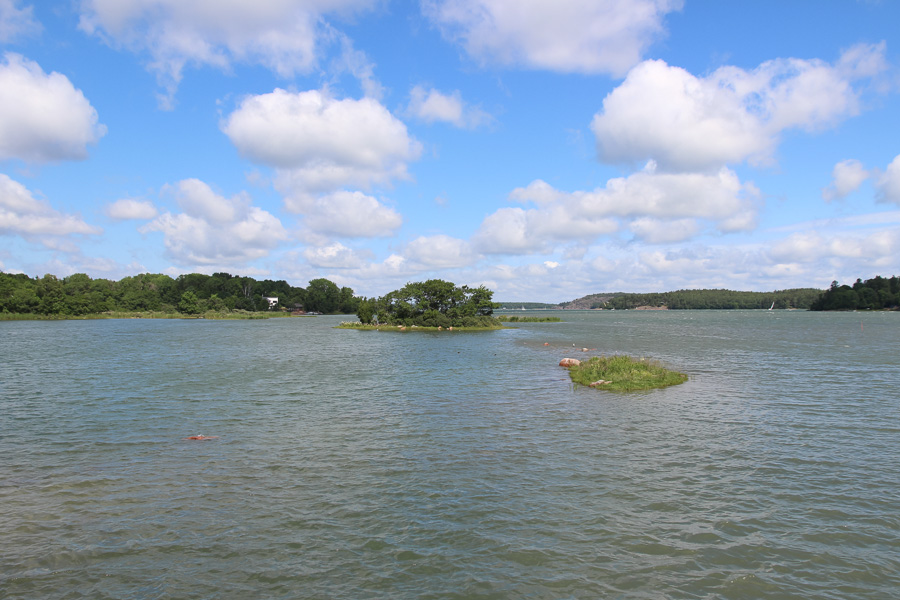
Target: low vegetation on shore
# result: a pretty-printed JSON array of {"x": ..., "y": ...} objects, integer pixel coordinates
[
  {"x": 404, "y": 328},
  {"x": 518, "y": 319},
  {"x": 622, "y": 373}
]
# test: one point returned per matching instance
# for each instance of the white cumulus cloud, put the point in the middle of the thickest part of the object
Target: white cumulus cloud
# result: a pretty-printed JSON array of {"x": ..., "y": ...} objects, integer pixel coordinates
[
  {"x": 601, "y": 36},
  {"x": 846, "y": 177},
  {"x": 23, "y": 214},
  {"x": 439, "y": 252},
  {"x": 131, "y": 209},
  {"x": 214, "y": 230},
  {"x": 351, "y": 214},
  {"x": 334, "y": 256},
  {"x": 43, "y": 117},
  {"x": 685, "y": 122},
  {"x": 656, "y": 207},
  {"x": 431, "y": 105},
  {"x": 320, "y": 144},
  {"x": 281, "y": 35}
]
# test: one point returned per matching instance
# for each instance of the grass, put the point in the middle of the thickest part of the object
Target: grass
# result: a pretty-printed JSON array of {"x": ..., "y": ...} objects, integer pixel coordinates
[
  {"x": 624, "y": 373},
  {"x": 517, "y": 319},
  {"x": 365, "y": 327}
]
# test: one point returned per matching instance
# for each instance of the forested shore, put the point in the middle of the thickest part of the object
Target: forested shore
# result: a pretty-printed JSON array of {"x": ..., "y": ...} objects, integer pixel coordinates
[
  {"x": 799, "y": 298},
  {"x": 878, "y": 293},
  {"x": 192, "y": 294},
  {"x": 224, "y": 294}
]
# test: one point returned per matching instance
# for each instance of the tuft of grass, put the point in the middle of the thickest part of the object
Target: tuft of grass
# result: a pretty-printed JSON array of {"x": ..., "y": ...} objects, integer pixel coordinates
[{"x": 624, "y": 373}]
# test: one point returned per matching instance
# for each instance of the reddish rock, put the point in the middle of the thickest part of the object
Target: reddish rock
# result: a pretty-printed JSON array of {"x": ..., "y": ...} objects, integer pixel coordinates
[{"x": 569, "y": 362}]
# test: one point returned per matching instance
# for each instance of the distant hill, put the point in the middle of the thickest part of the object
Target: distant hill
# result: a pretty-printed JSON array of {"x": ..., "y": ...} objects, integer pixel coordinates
[
  {"x": 590, "y": 301},
  {"x": 698, "y": 299}
]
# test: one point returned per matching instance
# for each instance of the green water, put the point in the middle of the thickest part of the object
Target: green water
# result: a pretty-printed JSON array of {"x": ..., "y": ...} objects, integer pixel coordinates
[{"x": 450, "y": 465}]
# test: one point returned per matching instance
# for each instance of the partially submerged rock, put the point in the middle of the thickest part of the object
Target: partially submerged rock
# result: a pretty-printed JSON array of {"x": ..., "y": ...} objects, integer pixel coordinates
[{"x": 569, "y": 362}]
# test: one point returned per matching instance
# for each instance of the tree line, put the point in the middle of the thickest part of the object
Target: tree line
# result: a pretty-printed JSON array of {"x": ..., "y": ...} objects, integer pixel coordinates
[
  {"x": 432, "y": 303},
  {"x": 878, "y": 293},
  {"x": 193, "y": 293},
  {"x": 713, "y": 299}
]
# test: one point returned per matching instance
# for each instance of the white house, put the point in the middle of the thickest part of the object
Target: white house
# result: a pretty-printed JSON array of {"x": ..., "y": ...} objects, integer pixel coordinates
[{"x": 272, "y": 302}]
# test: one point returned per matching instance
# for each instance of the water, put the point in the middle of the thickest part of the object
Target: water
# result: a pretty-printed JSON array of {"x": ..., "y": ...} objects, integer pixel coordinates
[{"x": 454, "y": 465}]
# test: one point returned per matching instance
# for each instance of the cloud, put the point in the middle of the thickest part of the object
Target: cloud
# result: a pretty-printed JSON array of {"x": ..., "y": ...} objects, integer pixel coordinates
[
  {"x": 131, "y": 209},
  {"x": 334, "y": 256},
  {"x": 657, "y": 231},
  {"x": 861, "y": 248},
  {"x": 43, "y": 118},
  {"x": 846, "y": 178},
  {"x": 16, "y": 22},
  {"x": 521, "y": 231},
  {"x": 351, "y": 214},
  {"x": 431, "y": 105},
  {"x": 439, "y": 252},
  {"x": 319, "y": 144},
  {"x": 888, "y": 183},
  {"x": 690, "y": 123},
  {"x": 656, "y": 207},
  {"x": 281, "y": 35},
  {"x": 214, "y": 230},
  {"x": 23, "y": 214},
  {"x": 603, "y": 36}
]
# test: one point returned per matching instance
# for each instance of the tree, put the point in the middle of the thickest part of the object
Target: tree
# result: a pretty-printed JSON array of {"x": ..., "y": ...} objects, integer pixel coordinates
[
  {"x": 323, "y": 296},
  {"x": 53, "y": 297},
  {"x": 365, "y": 311},
  {"x": 436, "y": 303},
  {"x": 189, "y": 303}
]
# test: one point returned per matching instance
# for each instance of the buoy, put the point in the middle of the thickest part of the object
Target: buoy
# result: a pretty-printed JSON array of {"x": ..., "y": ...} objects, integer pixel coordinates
[{"x": 201, "y": 437}]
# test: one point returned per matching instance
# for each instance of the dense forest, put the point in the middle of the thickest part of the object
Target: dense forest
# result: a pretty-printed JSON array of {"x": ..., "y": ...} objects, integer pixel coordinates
[
  {"x": 78, "y": 294},
  {"x": 878, "y": 293},
  {"x": 432, "y": 303},
  {"x": 708, "y": 299}
]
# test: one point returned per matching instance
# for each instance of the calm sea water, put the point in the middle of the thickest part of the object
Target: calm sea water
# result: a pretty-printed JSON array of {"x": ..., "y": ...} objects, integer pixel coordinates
[{"x": 455, "y": 465}]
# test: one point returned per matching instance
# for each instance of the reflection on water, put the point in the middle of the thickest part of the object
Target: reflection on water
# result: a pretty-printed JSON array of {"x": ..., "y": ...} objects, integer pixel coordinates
[{"x": 421, "y": 465}]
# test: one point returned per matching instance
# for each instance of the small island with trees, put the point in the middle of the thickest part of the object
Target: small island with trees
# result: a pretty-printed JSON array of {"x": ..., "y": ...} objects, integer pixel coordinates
[{"x": 428, "y": 305}]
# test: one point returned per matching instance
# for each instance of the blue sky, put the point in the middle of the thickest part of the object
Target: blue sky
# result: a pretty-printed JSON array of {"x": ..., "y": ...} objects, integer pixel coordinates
[{"x": 547, "y": 150}]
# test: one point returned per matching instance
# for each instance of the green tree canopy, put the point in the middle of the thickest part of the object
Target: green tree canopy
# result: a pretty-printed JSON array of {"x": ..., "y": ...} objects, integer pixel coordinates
[
  {"x": 431, "y": 303},
  {"x": 78, "y": 294}
]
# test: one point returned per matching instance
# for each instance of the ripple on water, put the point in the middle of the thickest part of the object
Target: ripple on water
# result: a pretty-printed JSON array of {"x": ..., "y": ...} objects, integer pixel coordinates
[{"x": 352, "y": 464}]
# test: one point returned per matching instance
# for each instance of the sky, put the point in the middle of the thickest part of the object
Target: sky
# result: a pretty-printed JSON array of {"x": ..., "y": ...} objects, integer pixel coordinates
[{"x": 545, "y": 149}]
